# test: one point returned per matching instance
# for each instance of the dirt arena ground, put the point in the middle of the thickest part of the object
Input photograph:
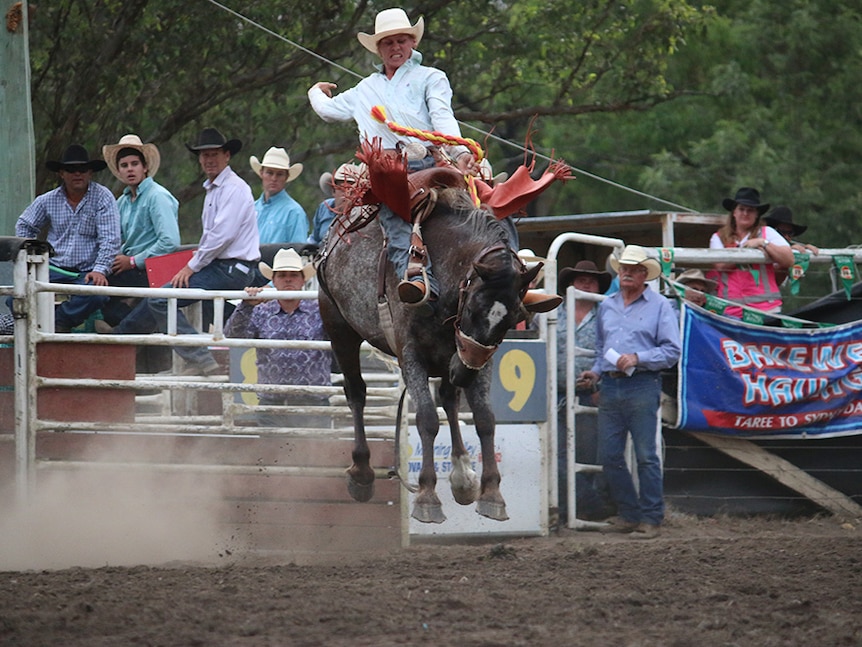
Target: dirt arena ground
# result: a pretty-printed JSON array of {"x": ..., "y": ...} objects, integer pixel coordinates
[{"x": 723, "y": 581}]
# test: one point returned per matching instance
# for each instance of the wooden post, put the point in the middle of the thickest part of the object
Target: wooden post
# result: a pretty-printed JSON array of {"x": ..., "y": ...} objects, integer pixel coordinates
[{"x": 785, "y": 473}]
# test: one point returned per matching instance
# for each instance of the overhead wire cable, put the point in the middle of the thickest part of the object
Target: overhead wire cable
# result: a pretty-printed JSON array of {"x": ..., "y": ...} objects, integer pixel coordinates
[{"x": 487, "y": 134}]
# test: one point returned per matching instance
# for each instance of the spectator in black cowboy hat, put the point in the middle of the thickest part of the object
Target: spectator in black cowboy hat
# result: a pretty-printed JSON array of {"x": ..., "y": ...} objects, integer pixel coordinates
[
  {"x": 752, "y": 285},
  {"x": 228, "y": 250},
  {"x": 781, "y": 220},
  {"x": 82, "y": 225}
]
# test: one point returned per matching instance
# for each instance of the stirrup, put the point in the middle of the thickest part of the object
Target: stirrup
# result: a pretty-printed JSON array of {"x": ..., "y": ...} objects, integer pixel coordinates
[{"x": 410, "y": 284}]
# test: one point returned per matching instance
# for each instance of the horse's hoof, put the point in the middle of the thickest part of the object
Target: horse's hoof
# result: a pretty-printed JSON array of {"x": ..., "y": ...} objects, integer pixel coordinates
[
  {"x": 361, "y": 492},
  {"x": 463, "y": 481},
  {"x": 427, "y": 513},
  {"x": 464, "y": 496},
  {"x": 492, "y": 510}
]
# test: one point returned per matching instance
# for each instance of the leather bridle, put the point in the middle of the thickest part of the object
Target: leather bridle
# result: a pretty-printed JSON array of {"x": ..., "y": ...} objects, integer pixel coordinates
[{"x": 473, "y": 354}]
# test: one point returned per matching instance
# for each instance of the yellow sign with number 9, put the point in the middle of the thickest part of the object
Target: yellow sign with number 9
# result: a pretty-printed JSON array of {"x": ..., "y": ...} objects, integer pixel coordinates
[{"x": 518, "y": 377}]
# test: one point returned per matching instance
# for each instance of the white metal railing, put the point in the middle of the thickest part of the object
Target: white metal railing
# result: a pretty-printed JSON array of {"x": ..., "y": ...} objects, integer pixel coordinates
[
  {"x": 34, "y": 303},
  {"x": 572, "y": 407}
]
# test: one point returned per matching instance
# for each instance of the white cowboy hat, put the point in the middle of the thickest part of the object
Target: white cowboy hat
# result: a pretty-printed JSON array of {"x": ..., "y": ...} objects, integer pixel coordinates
[
  {"x": 529, "y": 258},
  {"x": 276, "y": 158},
  {"x": 152, "y": 158},
  {"x": 388, "y": 23},
  {"x": 347, "y": 172},
  {"x": 287, "y": 260},
  {"x": 636, "y": 255}
]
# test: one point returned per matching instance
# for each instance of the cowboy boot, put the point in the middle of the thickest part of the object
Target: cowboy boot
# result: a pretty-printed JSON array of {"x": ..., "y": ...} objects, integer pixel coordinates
[
  {"x": 411, "y": 292},
  {"x": 536, "y": 301}
]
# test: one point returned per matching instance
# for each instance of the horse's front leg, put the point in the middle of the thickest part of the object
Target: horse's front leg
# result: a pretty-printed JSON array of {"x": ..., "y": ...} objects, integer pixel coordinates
[
  {"x": 491, "y": 503},
  {"x": 426, "y": 505},
  {"x": 462, "y": 479},
  {"x": 360, "y": 475}
]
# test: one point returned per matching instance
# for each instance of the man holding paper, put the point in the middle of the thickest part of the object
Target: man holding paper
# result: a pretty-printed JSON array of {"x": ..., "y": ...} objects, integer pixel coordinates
[{"x": 637, "y": 336}]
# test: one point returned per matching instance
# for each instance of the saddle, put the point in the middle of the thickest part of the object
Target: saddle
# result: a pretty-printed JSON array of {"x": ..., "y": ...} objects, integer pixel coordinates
[{"x": 411, "y": 196}]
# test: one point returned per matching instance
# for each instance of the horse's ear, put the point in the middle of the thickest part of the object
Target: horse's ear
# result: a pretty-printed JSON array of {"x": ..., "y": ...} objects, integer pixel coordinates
[
  {"x": 530, "y": 275},
  {"x": 483, "y": 270}
]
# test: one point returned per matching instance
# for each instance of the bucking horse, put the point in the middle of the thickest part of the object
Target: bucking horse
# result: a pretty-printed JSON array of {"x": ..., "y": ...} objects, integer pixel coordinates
[{"x": 481, "y": 282}]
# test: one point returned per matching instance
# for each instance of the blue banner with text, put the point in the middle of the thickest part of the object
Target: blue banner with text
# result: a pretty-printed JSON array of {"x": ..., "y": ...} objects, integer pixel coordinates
[{"x": 745, "y": 380}]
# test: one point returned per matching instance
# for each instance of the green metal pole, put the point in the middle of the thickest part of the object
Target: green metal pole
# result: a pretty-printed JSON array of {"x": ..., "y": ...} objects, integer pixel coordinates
[{"x": 18, "y": 169}]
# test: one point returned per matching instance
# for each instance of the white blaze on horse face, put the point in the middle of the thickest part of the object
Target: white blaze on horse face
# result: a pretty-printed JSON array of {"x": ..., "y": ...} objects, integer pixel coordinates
[{"x": 496, "y": 314}]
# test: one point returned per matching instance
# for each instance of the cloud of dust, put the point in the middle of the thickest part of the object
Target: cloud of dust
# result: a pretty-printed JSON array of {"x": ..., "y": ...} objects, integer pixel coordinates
[{"x": 93, "y": 516}]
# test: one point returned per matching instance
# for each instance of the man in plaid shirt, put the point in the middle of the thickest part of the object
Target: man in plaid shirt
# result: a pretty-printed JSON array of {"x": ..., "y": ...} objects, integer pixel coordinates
[{"x": 82, "y": 224}]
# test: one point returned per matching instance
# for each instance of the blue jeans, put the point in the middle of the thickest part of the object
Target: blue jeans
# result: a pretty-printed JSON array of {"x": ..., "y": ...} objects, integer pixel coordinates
[
  {"x": 151, "y": 315},
  {"x": 118, "y": 308},
  {"x": 629, "y": 405},
  {"x": 398, "y": 232},
  {"x": 77, "y": 307}
]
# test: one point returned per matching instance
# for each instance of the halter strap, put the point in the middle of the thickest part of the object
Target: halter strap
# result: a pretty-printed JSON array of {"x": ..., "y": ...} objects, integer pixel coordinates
[{"x": 473, "y": 354}]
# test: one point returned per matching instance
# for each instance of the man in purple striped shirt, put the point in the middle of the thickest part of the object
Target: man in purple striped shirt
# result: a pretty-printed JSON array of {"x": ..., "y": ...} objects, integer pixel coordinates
[{"x": 285, "y": 319}]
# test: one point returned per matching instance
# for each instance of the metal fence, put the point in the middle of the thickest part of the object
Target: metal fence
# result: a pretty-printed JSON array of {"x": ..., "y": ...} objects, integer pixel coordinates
[{"x": 166, "y": 403}]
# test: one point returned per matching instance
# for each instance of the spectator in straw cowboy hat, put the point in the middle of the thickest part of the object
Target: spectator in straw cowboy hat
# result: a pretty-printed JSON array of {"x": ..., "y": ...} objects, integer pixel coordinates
[
  {"x": 285, "y": 319},
  {"x": 697, "y": 286},
  {"x": 333, "y": 185},
  {"x": 226, "y": 254},
  {"x": 148, "y": 217},
  {"x": 83, "y": 227},
  {"x": 637, "y": 336},
  {"x": 280, "y": 218}
]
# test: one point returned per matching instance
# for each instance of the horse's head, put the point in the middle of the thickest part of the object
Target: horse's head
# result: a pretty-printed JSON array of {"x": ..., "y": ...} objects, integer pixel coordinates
[{"x": 488, "y": 306}]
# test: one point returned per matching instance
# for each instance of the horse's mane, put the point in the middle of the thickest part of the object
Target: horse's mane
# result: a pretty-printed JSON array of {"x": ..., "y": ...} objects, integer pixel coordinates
[{"x": 464, "y": 214}]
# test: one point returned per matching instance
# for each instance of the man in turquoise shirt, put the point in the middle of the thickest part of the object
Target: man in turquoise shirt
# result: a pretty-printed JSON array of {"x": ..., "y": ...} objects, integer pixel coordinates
[
  {"x": 280, "y": 218},
  {"x": 148, "y": 218}
]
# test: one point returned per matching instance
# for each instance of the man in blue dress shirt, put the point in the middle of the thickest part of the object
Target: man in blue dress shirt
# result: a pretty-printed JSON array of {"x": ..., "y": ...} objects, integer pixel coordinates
[{"x": 637, "y": 337}]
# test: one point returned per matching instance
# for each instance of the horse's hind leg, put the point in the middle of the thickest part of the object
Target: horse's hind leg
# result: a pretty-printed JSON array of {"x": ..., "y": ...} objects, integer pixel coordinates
[
  {"x": 462, "y": 479},
  {"x": 491, "y": 503},
  {"x": 345, "y": 345}
]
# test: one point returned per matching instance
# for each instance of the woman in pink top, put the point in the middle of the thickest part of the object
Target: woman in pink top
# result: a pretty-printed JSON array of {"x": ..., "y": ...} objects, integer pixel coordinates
[{"x": 750, "y": 285}]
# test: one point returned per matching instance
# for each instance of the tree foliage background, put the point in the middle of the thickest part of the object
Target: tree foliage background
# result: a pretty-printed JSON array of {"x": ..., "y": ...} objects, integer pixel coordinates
[{"x": 678, "y": 99}]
